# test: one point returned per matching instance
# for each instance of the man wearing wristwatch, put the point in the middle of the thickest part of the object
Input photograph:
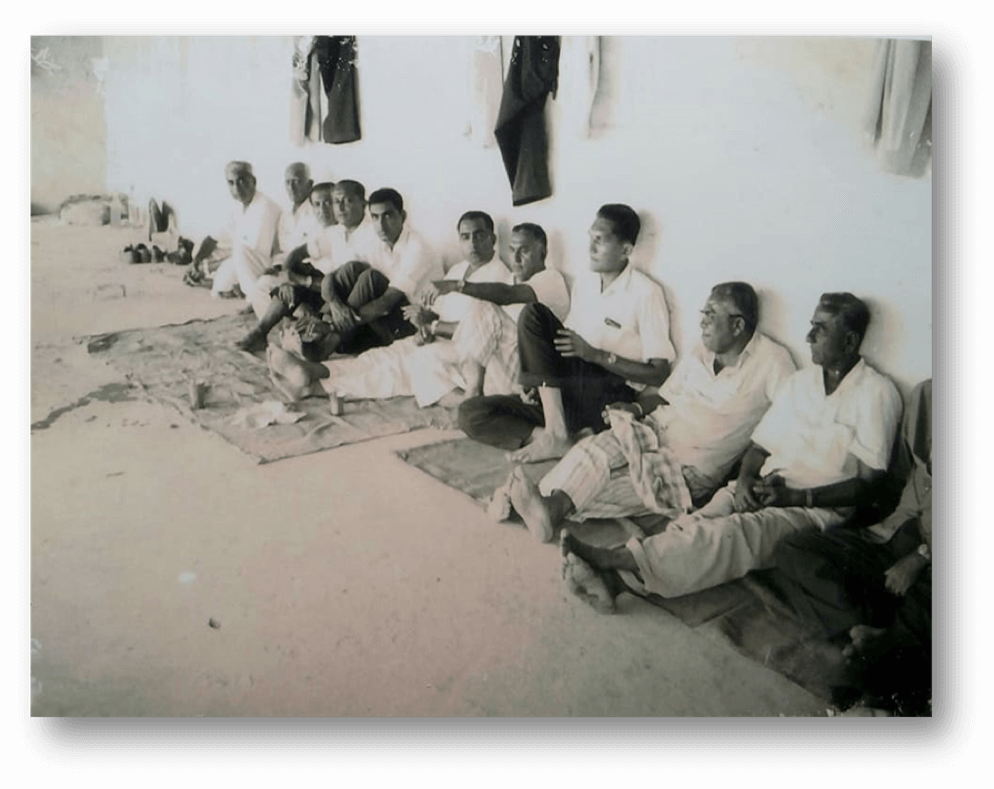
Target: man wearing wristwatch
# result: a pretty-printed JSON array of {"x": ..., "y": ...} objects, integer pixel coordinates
[
  {"x": 817, "y": 453},
  {"x": 863, "y": 579},
  {"x": 614, "y": 342},
  {"x": 699, "y": 424}
]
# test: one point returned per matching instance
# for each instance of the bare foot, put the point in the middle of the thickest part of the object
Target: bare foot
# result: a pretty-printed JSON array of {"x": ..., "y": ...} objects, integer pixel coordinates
[
  {"x": 584, "y": 582},
  {"x": 544, "y": 446},
  {"x": 528, "y": 503},
  {"x": 861, "y": 636}
]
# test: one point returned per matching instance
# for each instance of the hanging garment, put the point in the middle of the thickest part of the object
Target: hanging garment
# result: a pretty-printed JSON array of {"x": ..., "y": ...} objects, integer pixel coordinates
[
  {"x": 485, "y": 80},
  {"x": 898, "y": 119},
  {"x": 300, "y": 89},
  {"x": 336, "y": 62},
  {"x": 315, "y": 100},
  {"x": 520, "y": 130}
]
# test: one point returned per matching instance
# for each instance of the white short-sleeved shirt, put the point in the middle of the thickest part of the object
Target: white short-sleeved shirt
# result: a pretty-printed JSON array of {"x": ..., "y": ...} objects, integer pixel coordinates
[
  {"x": 711, "y": 417},
  {"x": 409, "y": 265},
  {"x": 297, "y": 227},
  {"x": 254, "y": 226},
  {"x": 813, "y": 438},
  {"x": 335, "y": 246},
  {"x": 629, "y": 318},
  {"x": 550, "y": 289},
  {"x": 453, "y": 307}
]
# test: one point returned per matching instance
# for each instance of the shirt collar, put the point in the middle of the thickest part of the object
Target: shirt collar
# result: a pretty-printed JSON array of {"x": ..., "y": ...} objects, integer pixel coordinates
[
  {"x": 621, "y": 282},
  {"x": 347, "y": 234},
  {"x": 750, "y": 348},
  {"x": 400, "y": 243}
]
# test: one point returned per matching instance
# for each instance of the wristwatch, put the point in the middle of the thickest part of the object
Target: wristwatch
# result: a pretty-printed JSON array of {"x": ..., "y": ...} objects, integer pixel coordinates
[{"x": 924, "y": 551}]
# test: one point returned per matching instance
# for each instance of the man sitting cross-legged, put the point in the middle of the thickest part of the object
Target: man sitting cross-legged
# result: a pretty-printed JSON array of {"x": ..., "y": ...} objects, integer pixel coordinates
[
  {"x": 815, "y": 455},
  {"x": 694, "y": 430},
  {"x": 362, "y": 301},
  {"x": 617, "y": 332},
  {"x": 247, "y": 243},
  {"x": 413, "y": 367}
]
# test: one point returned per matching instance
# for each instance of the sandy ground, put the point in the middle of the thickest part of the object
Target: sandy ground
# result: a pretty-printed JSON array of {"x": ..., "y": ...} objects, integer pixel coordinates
[{"x": 342, "y": 584}]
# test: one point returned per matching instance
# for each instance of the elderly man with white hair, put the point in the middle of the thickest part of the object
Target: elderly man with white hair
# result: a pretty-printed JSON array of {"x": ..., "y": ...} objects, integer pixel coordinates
[{"x": 250, "y": 234}]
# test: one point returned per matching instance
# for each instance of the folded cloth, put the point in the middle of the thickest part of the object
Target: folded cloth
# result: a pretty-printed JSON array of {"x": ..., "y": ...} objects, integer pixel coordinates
[
  {"x": 264, "y": 414},
  {"x": 656, "y": 474}
]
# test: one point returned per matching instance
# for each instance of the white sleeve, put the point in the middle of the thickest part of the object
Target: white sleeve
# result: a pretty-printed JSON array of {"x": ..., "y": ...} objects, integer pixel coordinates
[{"x": 876, "y": 425}]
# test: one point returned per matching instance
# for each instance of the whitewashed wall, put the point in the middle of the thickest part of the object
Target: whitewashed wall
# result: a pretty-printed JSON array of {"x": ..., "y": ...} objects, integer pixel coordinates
[{"x": 743, "y": 156}]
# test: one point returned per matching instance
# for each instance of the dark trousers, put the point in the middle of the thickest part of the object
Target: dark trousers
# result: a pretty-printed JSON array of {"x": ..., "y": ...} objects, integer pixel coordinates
[
  {"x": 895, "y": 670},
  {"x": 357, "y": 284},
  {"x": 505, "y": 421},
  {"x": 836, "y": 578}
]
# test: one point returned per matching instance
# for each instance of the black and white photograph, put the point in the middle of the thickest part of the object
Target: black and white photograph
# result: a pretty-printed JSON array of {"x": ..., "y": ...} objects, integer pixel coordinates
[{"x": 481, "y": 376}]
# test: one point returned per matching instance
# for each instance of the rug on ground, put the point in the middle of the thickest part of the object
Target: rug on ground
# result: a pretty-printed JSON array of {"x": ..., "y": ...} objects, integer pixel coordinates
[
  {"x": 745, "y": 614},
  {"x": 240, "y": 403}
]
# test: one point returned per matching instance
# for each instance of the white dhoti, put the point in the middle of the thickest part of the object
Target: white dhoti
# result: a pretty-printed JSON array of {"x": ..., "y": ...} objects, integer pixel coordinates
[
  {"x": 716, "y": 544},
  {"x": 243, "y": 268}
]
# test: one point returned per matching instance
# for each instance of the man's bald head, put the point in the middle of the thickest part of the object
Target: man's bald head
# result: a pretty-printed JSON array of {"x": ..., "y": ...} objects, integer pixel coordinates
[
  {"x": 298, "y": 182},
  {"x": 241, "y": 181}
]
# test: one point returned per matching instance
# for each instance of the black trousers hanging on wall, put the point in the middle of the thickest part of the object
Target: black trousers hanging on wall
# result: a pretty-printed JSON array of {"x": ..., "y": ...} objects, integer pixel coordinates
[
  {"x": 336, "y": 59},
  {"x": 520, "y": 130}
]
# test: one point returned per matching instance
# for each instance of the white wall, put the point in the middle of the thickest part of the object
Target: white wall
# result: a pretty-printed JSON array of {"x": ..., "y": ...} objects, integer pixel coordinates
[
  {"x": 68, "y": 143},
  {"x": 743, "y": 156}
]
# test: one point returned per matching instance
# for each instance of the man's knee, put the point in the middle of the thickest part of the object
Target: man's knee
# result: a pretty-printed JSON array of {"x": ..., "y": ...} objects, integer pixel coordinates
[
  {"x": 534, "y": 320},
  {"x": 370, "y": 284}
]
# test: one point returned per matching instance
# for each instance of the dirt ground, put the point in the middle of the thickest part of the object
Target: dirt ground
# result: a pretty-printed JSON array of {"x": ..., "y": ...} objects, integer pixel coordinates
[{"x": 344, "y": 583}]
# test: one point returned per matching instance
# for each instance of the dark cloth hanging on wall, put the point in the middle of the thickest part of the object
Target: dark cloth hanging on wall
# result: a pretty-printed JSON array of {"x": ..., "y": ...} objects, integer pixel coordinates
[
  {"x": 336, "y": 61},
  {"x": 520, "y": 131}
]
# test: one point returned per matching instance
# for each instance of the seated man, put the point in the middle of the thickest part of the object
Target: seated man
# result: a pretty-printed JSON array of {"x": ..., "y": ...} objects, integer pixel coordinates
[
  {"x": 876, "y": 582},
  {"x": 297, "y": 226},
  {"x": 409, "y": 367},
  {"x": 815, "y": 455},
  {"x": 251, "y": 232},
  {"x": 617, "y": 332},
  {"x": 699, "y": 425},
  {"x": 483, "y": 355},
  {"x": 360, "y": 302}
]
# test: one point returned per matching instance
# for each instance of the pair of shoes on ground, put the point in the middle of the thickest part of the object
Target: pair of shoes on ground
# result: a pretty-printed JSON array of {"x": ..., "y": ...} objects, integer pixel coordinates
[
  {"x": 139, "y": 253},
  {"x": 183, "y": 256}
]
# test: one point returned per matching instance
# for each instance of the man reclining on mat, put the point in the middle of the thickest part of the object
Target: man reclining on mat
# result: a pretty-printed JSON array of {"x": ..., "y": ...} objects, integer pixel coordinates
[
  {"x": 816, "y": 454},
  {"x": 431, "y": 364},
  {"x": 693, "y": 432}
]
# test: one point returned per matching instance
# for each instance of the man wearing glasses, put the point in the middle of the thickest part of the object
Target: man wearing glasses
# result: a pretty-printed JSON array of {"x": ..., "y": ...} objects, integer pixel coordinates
[{"x": 698, "y": 426}]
